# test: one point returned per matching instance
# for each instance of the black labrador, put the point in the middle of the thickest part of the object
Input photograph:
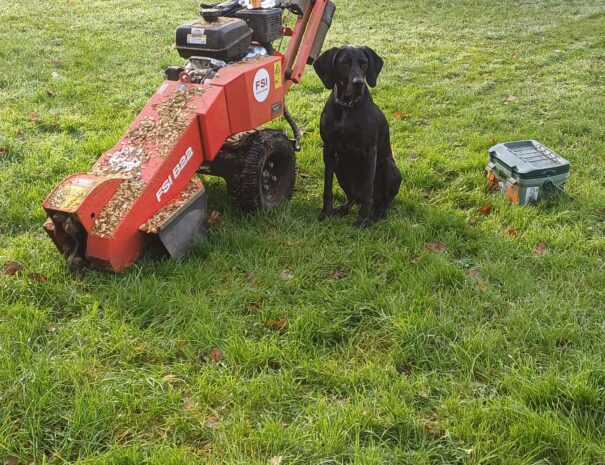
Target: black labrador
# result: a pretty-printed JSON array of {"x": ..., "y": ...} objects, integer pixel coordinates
[{"x": 355, "y": 132}]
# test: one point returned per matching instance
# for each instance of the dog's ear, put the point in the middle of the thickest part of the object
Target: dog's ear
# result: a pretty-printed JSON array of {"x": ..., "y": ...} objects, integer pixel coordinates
[
  {"x": 324, "y": 67},
  {"x": 374, "y": 66}
]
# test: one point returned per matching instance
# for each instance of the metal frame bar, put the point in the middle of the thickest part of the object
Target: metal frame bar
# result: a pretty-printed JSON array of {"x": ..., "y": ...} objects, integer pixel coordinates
[{"x": 301, "y": 42}]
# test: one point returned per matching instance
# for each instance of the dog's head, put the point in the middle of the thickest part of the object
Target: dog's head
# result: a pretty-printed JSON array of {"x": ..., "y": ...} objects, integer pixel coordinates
[{"x": 349, "y": 68}]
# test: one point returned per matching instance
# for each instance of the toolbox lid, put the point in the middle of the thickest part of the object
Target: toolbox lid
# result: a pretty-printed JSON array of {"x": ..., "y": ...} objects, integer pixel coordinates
[{"x": 529, "y": 159}]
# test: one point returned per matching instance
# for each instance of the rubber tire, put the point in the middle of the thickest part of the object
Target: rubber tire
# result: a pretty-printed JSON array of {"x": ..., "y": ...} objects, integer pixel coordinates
[{"x": 246, "y": 185}]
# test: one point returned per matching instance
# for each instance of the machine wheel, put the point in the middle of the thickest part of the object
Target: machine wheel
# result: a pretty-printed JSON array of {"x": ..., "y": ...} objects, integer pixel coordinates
[{"x": 267, "y": 172}]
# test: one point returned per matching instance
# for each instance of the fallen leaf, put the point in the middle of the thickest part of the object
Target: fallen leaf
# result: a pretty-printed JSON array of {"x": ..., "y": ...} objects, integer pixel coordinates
[
  {"x": 485, "y": 209},
  {"x": 286, "y": 276},
  {"x": 303, "y": 175},
  {"x": 50, "y": 93},
  {"x": 277, "y": 325},
  {"x": 414, "y": 260},
  {"x": 12, "y": 460},
  {"x": 170, "y": 378},
  {"x": 494, "y": 141},
  {"x": 600, "y": 211},
  {"x": 216, "y": 355},
  {"x": 400, "y": 114},
  {"x": 405, "y": 368},
  {"x": 431, "y": 430},
  {"x": 474, "y": 272},
  {"x": 12, "y": 267},
  {"x": 34, "y": 117},
  {"x": 512, "y": 232},
  {"x": 38, "y": 277},
  {"x": 212, "y": 422},
  {"x": 57, "y": 63},
  {"x": 274, "y": 365},
  {"x": 3, "y": 150},
  {"x": 277, "y": 460},
  {"x": 510, "y": 98},
  {"x": 541, "y": 248},
  {"x": 438, "y": 247},
  {"x": 336, "y": 275},
  {"x": 215, "y": 217},
  {"x": 190, "y": 405}
]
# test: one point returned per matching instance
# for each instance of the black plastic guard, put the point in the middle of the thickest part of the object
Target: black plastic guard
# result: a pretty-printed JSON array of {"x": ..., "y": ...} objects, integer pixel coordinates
[{"x": 186, "y": 228}]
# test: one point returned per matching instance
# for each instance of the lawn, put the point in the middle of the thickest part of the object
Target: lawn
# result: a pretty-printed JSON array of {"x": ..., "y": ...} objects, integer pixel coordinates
[{"x": 440, "y": 336}]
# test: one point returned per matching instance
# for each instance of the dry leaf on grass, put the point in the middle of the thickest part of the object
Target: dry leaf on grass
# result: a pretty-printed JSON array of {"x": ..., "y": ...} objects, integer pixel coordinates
[
  {"x": 405, "y": 368},
  {"x": 216, "y": 355},
  {"x": 437, "y": 247},
  {"x": 512, "y": 232},
  {"x": 276, "y": 325},
  {"x": 286, "y": 276},
  {"x": 277, "y": 460},
  {"x": 33, "y": 117},
  {"x": 38, "y": 277},
  {"x": 50, "y": 93},
  {"x": 474, "y": 272},
  {"x": 486, "y": 209},
  {"x": 3, "y": 150},
  {"x": 57, "y": 63},
  {"x": 430, "y": 430},
  {"x": 335, "y": 275},
  {"x": 12, "y": 267},
  {"x": 510, "y": 98},
  {"x": 400, "y": 114},
  {"x": 212, "y": 422},
  {"x": 600, "y": 211},
  {"x": 215, "y": 218},
  {"x": 170, "y": 378},
  {"x": 541, "y": 248},
  {"x": 12, "y": 460}
]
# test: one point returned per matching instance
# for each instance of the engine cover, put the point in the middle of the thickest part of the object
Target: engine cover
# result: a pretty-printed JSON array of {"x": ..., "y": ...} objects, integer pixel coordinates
[{"x": 225, "y": 39}]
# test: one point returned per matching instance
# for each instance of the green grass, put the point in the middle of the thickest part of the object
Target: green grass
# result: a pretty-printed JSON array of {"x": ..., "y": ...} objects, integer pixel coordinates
[{"x": 407, "y": 358}]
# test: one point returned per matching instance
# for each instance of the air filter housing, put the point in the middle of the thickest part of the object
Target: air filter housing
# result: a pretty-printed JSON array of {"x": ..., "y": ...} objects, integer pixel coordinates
[
  {"x": 265, "y": 23},
  {"x": 225, "y": 39}
]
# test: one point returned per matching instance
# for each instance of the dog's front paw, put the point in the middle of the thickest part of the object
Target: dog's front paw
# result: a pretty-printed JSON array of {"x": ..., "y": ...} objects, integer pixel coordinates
[
  {"x": 363, "y": 222},
  {"x": 325, "y": 214}
]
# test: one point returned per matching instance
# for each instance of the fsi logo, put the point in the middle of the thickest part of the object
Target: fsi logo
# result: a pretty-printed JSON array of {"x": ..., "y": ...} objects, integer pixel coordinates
[
  {"x": 261, "y": 85},
  {"x": 176, "y": 172}
]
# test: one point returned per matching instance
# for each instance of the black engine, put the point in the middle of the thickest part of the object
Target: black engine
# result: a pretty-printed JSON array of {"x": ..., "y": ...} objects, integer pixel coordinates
[{"x": 226, "y": 34}]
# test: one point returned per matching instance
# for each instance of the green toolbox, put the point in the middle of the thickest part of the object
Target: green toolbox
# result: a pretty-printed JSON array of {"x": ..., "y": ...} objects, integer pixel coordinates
[{"x": 525, "y": 171}]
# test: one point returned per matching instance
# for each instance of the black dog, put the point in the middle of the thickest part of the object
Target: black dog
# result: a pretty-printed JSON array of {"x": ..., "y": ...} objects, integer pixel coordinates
[{"x": 357, "y": 146}]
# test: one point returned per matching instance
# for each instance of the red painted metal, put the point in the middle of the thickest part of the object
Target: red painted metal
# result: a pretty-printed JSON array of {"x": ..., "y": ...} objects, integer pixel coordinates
[{"x": 154, "y": 167}]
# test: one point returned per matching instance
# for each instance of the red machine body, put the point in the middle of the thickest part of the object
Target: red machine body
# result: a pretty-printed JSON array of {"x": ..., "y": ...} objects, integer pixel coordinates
[{"x": 136, "y": 188}]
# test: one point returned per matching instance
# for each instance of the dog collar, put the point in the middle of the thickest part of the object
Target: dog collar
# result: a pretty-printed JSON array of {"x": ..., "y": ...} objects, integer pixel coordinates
[{"x": 350, "y": 104}]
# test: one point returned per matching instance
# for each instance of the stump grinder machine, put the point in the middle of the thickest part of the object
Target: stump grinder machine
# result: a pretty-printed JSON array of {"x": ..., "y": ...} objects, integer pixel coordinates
[{"x": 205, "y": 118}]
